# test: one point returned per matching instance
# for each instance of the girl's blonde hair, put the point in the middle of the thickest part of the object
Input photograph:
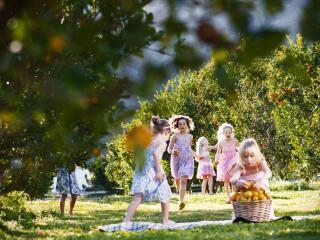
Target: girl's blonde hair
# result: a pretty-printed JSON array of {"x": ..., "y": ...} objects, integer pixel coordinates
[
  {"x": 247, "y": 145},
  {"x": 200, "y": 144},
  {"x": 250, "y": 145},
  {"x": 220, "y": 135}
]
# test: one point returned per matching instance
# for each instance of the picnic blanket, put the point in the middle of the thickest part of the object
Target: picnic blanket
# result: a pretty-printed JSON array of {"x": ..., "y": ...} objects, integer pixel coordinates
[{"x": 141, "y": 226}]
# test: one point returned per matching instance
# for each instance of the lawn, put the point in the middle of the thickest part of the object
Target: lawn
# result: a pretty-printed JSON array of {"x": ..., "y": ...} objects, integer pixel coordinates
[{"x": 90, "y": 213}]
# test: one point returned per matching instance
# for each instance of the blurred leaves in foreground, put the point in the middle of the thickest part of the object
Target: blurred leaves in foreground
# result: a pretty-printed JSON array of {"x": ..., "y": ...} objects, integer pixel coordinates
[{"x": 61, "y": 87}]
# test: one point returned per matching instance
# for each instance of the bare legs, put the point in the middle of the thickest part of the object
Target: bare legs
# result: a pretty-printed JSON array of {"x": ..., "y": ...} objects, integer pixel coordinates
[
  {"x": 177, "y": 184},
  {"x": 227, "y": 186},
  {"x": 210, "y": 184},
  {"x": 165, "y": 213},
  {"x": 204, "y": 185},
  {"x": 137, "y": 200},
  {"x": 72, "y": 203},
  {"x": 208, "y": 179},
  {"x": 183, "y": 188},
  {"x": 63, "y": 201}
]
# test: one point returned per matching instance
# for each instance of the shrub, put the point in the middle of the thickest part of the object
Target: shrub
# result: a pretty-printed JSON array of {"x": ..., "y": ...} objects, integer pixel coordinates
[{"x": 14, "y": 208}]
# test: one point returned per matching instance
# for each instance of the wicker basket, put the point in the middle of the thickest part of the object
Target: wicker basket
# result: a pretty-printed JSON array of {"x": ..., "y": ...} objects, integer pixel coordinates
[{"x": 258, "y": 211}]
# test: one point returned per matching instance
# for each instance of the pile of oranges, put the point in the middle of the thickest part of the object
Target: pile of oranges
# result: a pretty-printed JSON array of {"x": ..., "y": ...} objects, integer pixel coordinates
[{"x": 251, "y": 193}]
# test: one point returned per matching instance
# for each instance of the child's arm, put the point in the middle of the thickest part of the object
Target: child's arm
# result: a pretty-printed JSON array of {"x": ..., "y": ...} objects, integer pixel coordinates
[
  {"x": 157, "y": 160},
  {"x": 171, "y": 144},
  {"x": 236, "y": 144},
  {"x": 191, "y": 139},
  {"x": 195, "y": 155},
  {"x": 267, "y": 173},
  {"x": 235, "y": 175},
  {"x": 216, "y": 159},
  {"x": 209, "y": 148},
  {"x": 235, "y": 179}
]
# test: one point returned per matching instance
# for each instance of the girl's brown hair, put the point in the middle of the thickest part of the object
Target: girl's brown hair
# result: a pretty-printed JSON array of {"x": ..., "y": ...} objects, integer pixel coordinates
[
  {"x": 159, "y": 125},
  {"x": 174, "y": 122}
]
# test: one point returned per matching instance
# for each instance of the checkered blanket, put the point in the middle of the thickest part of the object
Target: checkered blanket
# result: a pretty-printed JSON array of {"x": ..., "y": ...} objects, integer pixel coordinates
[{"x": 141, "y": 226}]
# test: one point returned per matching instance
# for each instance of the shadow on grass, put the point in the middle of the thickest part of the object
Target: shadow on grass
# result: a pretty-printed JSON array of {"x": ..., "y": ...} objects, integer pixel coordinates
[
  {"x": 276, "y": 197},
  {"x": 109, "y": 199},
  {"x": 83, "y": 223},
  {"x": 298, "y": 213},
  {"x": 308, "y": 229},
  {"x": 93, "y": 219}
]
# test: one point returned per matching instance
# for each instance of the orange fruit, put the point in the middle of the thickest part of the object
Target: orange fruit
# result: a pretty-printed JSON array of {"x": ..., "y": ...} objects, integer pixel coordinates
[
  {"x": 233, "y": 197},
  {"x": 268, "y": 196},
  {"x": 242, "y": 198},
  {"x": 249, "y": 199},
  {"x": 250, "y": 184},
  {"x": 57, "y": 43},
  {"x": 238, "y": 198},
  {"x": 96, "y": 152},
  {"x": 248, "y": 194},
  {"x": 261, "y": 196},
  {"x": 255, "y": 198},
  {"x": 254, "y": 193}
]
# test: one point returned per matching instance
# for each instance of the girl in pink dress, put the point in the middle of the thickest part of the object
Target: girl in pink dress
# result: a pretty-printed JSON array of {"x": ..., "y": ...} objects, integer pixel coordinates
[
  {"x": 205, "y": 169},
  {"x": 182, "y": 156},
  {"x": 226, "y": 157},
  {"x": 252, "y": 167}
]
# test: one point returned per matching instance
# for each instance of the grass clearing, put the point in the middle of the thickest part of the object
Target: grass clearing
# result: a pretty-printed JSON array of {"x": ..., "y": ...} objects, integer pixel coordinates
[{"x": 90, "y": 213}]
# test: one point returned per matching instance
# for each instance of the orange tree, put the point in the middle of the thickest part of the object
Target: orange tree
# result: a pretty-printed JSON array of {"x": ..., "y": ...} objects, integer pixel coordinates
[
  {"x": 251, "y": 114},
  {"x": 282, "y": 118},
  {"x": 294, "y": 90}
]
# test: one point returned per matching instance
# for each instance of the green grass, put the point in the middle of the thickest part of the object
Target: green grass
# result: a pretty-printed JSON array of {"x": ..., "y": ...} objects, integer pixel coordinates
[{"x": 90, "y": 213}]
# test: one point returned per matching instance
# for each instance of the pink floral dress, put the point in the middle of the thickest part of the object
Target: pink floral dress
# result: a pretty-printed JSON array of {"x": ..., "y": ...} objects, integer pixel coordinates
[
  {"x": 227, "y": 159},
  {"x": 205, "y": 166}
]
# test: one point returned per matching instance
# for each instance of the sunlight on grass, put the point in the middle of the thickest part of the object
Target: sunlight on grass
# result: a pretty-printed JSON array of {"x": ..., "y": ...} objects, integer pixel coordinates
[{"x": 90, "y": 213}]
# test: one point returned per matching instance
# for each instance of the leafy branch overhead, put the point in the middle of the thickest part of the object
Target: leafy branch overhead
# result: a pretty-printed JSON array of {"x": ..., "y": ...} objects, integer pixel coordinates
[{"x": 62, "y": 84}]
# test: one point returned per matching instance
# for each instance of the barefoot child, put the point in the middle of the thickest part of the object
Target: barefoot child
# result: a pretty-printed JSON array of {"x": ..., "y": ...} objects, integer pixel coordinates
[
  {"x": 67, "y": 184},
  {"x": 252, "y": 167},
  {"x": 205, "y": 169},
  {"x": 226, "y": 156},
  {"x": 182, "y": 156},
  {"x": 150, "y": 183}
]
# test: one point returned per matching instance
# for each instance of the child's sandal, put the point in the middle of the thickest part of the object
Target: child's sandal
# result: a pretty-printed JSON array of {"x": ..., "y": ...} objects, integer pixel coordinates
[{"x": 181, "y": 205}]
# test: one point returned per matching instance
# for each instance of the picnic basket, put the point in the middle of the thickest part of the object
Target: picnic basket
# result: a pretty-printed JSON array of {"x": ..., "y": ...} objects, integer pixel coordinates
[{"x": 258, "y": 211}]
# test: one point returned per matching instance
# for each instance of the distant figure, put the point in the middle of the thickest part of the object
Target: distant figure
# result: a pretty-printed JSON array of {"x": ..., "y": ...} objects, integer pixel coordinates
[
  {"x": 82, "y": 177},
  {"x": 67, "y": 184}
]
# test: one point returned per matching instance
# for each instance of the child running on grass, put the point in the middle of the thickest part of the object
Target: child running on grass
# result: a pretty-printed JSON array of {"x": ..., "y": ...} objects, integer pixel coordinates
[{"x": 150, "y": 182}]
